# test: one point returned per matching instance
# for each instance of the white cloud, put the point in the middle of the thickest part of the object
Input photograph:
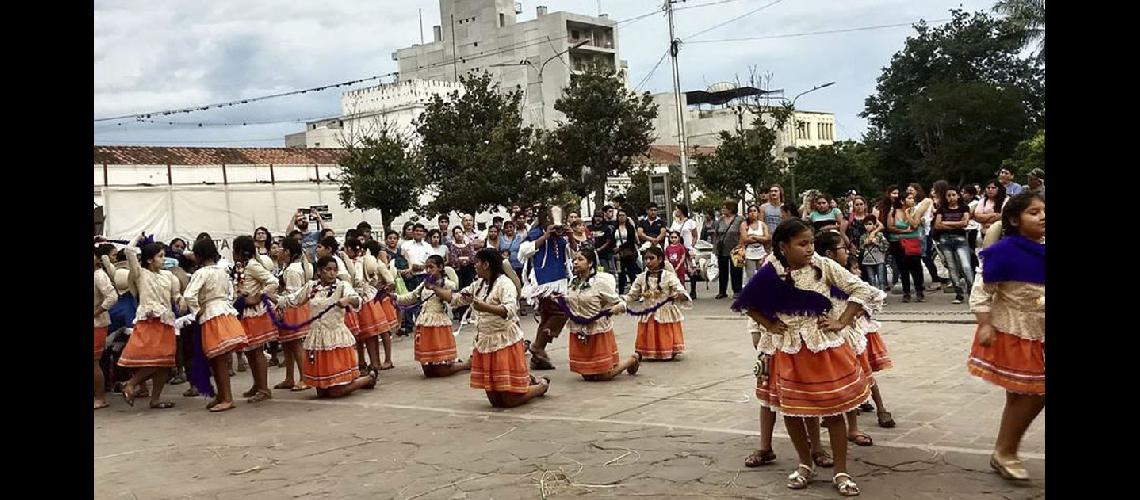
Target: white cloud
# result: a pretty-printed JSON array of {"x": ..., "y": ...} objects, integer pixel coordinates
[{"x": 154, "y": 55}]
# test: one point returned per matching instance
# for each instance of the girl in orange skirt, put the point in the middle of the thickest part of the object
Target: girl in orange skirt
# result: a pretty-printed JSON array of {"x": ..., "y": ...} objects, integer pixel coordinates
[
  {"x": 593, "y": 350},
  {"x": 380, "y": 275},
  {"x": 813, "y": 371},
  {"x": 151, "y": 348},
  {"x": 252, "y": 280},
  {"x": 498, "y": 362},
  {"x": 105, "y": 298},
  {"x": 659, "y": 335},
  {"x": 369, "y": 318},
  {"x": 435, "y": 344},
  {"x": 296, "y": 274},
  {"x": 209, "y": 296},
  {"x": 330, "y": 349},
  {"x": 1009, "y": 347}
]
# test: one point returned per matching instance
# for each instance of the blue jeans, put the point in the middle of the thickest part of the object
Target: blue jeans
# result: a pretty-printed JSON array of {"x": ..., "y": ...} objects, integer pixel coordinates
[
  {"x": 877, "y": 276},
  {"x": 609, "y": 264},
  {"x": 956, "y": 252}
]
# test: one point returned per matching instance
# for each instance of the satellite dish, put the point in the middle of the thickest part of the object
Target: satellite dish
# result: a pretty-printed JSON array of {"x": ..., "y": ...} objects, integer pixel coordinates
[{"x": 722, "y": 86}]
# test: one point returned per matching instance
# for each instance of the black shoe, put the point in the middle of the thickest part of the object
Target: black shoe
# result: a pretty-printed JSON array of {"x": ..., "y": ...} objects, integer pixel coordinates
[
  {"x": 958, "y": 300},
  {"x": 720, "y": 296},
  {"x": 866, "y": 407}
]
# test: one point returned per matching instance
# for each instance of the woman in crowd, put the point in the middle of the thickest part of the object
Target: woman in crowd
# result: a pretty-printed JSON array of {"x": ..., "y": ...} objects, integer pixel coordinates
[
  {"x": 509, "y": 246},
  {"x": 988, "y": 209},
  {"x": 906, "y": 246},
  {"x": 625, "y": 237},
  {"x": 461, "y": 257},
  {"x": 727, "y": 237},
  {"x": 924, "y": 211},
  {"x": 754, "y": 236},
  {"x": 950, "y": 220}
]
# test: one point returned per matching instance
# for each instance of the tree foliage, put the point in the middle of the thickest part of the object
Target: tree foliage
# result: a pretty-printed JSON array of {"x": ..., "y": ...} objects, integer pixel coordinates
[
  {"x": 1028, "y": 155},
  {"x": 837, "y": 168},
  {"x": 379, "y": 172},
  {"x": 744, "y": 160},
  {"x": 606, "y": 128}
]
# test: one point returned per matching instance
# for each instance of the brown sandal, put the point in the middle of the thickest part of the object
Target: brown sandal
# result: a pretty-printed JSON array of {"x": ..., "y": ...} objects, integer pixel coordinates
[
  {"x": 632, "y": 370},
  {"x": 259, "y": 396},
  {"x": 861, "y": 438},
  {"x": 760, "y": 457},
  {"x": 822, "y": 458}
]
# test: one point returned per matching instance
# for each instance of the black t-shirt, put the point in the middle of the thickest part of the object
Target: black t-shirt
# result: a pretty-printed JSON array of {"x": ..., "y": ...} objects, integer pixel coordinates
[
  {"x": 604, "y": 234},
  {"x": 652, "y": 229},
  {"x": 950, "y": 215}
]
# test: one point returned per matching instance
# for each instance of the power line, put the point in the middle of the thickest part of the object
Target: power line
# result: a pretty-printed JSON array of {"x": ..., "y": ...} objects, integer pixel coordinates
[
  {"x": 178, "y": 143},
  {"x": 651, "y": 71},
  {"x": 200, "y": 124},
  {"x": 464, "y": 59},
  {"x": 737, "y": 18},
  {"x": 707, "y": 4},
  {"x": 825, "y": 32}
]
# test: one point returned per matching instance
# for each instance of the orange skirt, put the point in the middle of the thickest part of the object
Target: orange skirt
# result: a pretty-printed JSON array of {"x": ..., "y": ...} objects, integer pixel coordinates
[
  {"x": 807, "y": 384},
  {"x": 876, "y": 352},
  {"x": 222, "y": 334},
  {"x": 1014, "y": 363},
  {"x": 598, "y": 354},
  {"x": 504, "y": 370},
  {"x": 259, "y": 330},
  {"x": 659, "y": 340},
  {"x": 352, "y": 321},
  {"x": 434, "y": 345},
  {"x": 766, "y": 390},
  {"x": 388, "y": 308},
  {"x": 324, "y": 369},
  {"x": 100, "y": 341},
  {"x": 151, "y": 344},
  {"x": 295, "y": 316},
  {"x": 371, "y": 320}
]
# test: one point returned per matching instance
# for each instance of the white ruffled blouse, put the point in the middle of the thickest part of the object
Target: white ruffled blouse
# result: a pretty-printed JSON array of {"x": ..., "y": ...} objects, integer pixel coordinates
[
  {"x": 328, "y": 332},
  {"x": 655, "y": 290},
  {"x": 492, "y": 332}
]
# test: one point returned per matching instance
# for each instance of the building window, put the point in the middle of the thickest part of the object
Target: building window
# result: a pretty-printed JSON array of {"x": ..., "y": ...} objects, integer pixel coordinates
[
  {"x": 573, "y": 34},
  {"x": 502, "y": 20},
  {"x": 476, "y": 44}
]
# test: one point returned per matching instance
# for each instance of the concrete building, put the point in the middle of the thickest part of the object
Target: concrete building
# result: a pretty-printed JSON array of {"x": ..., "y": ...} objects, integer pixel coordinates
[
  {"x": 538, "y": 55},
  {"x": 703, "y": 124},
  {"x": 395, "y": 106}
]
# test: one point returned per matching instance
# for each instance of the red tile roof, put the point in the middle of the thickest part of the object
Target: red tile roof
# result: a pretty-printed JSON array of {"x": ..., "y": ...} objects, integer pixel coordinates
[
  {"x": 162, "y": 155},
  {"x": 662, "y": 154}
]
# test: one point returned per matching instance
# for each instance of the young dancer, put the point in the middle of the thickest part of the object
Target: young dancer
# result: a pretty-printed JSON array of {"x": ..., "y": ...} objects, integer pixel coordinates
[
  {"x": 251, "y": 281},
  {"x": 381, "y": 278},
  {"x": 593, "y": 350},
  {"x": 434, "y": 342},
  {"x": 209, "y": 296},
  {"x": 370, "y": 317},
  {"x": 296, "y": 273},
  {"x": 660, "y": 335},
  {"x": 151, "y": 347},
  {"x": 105, "y": 298}
]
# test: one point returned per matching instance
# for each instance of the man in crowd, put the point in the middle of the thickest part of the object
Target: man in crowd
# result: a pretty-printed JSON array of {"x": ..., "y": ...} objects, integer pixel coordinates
[
  {"x": 309, "y": 234},
  {"x": 416, "y": 251},
  {"x": 1005, "y": 176},
  {"x": 651, "y": 229},
  {"x": 771, "y": 209},
  {"x": 1036, "y": 182}
]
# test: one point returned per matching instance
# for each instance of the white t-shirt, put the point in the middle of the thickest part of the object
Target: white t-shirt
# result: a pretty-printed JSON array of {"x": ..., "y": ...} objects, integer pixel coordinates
[
  {"x": 973, "y": 224},
  {"x": 686, "y": 230},
  {"x": 417, "y": 252}
]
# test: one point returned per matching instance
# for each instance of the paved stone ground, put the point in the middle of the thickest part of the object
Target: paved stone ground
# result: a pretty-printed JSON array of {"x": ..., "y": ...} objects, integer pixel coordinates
[{"x": 675, "y": 430}]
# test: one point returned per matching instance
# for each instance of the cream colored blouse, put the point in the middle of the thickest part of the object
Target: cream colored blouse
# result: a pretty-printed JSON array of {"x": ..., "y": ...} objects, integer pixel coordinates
[
  {"x": 1015, "y": 307},
  {"x": 493, "y": 332},
  {"x": 434, "y": 311},
  {"x": 157, "y": 291},
  {"x": 255, "y": 281},
  {"x": 210, "y": 294},
  {"x": 598, "y": 294},
  {"x": 656, "y": 289},
  {"x": 328, "y": 332},
  {"x": 105, "y": 297}
]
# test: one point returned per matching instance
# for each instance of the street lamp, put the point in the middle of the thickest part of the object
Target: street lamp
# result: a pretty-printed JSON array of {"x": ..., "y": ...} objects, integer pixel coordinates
[
  {"x": 790, "y": 151},
  {"x": 526, "y": 62}
]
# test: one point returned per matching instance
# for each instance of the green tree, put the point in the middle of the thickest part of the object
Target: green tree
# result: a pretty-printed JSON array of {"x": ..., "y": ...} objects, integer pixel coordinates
[
  {"x": 1029, "y": 15},
  {"x": 971, "y": 49},
  {"x": 1028, "y": 155},
  {"x": 744, "y": 161},
  {"x": 837, "y": 168},
  {"x": 606, "y": 128},
  {"x": 380, "y": 172},
  {"x": 477, "y": 154},
  {"x": 637, "y": 194}
]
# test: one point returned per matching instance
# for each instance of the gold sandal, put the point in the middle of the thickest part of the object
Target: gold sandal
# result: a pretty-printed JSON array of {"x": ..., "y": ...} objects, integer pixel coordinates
[
  {"x": 845, "y": 487},
  {"x": 1013, "y": 470},
  {"x": 798, "y": 481}
]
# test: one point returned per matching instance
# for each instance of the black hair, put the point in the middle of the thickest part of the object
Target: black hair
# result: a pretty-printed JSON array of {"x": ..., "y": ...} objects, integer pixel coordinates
[
  {"x": 790, "y": 208},
  {"x": 373, "y": 247},
  {"x": 650, "y": 205},
  {"x": 120, "y": 255},
  {"x": 178, "y": 239},
  {"x": 938, "y": 190},
  {"x": 494, "y": 261},
  {"x": 149, "y": 250},
  {"x": 268, "y": 235},
  {"x": 244, "y": 249},
  {"x": 204, "y": 250},
  {"x": 364, "y": 227},
  {"x": 970, "y": 190},
  {"x": 1001, "y": 197},
  {"x": 942, "y": 202},
  {"x": 826, "y": 241},
  {"x": 730, "y": 205},
  {"x": 351, "y": 234},
  {"x": 324, "y": 261},
  {"x": 327, "y": 231},
  {"x": 295, "y": 233},
  {"x": 419, "y": 226},
  {"x": 655, "y": 251},
  {"x": 885, "y": 204},
  {"x": 683, "y": 208},
  {"x": 592, "y": 256},
  {"x": 354, "y": 244},
  {"x": 784, "y": 234},
  {"x": 919, "y": 193},
  {"x": 407, "y": 225},
  {"x": 496, "y": 218},
  {"x": 437, "y": 260},
  {"x": 1013, "y": 210},
  {"x": 391, "y": 232},
  {"x": 104, "y": 249},
  {"x": 203, "y": 235},
  {"x": 678, "y": 233},
  {"x": 294, "y": 248},
  {"x": 330, "y": 243},
  {"x": 870, "y": 219}
]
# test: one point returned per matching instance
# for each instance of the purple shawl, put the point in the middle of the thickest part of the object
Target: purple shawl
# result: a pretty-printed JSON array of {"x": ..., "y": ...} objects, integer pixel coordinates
[
  {"x": 1014, "y": 258},
  {"x": 767, "y": 294}
]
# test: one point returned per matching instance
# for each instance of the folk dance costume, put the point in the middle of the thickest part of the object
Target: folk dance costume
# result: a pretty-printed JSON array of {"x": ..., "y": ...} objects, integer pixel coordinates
[
  {"x": 434, "y": 342},
  {"x": 498, "y": 360},
  {"x": 330, "y": 347},
  {"x": 152, "y": 344},
  {"x": 384, "y": 282},
  {"x": 859, "y": 336},
  {"x": 296, "y": 275},
  {"x": 351, "y": 316},
  {"x": 659, "y": 335},
  {"x": 549, "y": 276},
  {"x": 1011, "y": 287},
  {"x": 370, "y": 319},
  {"x": 593, "y": 349},
  {"x": 210, "y": 299},
  {"x": 254, "y": 280},
  {"x": 826, "y": 378},
  {"x": 105, "y": 297}
]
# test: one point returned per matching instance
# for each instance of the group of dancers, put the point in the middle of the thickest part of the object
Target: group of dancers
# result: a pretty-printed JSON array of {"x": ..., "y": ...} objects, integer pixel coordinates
[{"x": 811, "y": 320}]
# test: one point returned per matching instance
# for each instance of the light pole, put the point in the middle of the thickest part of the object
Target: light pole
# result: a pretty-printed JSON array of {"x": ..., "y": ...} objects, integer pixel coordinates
[
  {"x": 541, "y": 68},
  {"x": 790, "y": 152}
]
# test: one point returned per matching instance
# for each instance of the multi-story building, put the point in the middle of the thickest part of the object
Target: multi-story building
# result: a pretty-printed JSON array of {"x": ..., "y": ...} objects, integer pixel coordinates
[{"x": 538, "y": 55}]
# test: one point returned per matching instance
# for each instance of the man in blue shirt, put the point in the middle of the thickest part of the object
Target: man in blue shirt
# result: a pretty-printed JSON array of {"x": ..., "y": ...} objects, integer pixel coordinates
[
  {"x": 309, "y": 236},
  {"x": 1005, "y": 177}
]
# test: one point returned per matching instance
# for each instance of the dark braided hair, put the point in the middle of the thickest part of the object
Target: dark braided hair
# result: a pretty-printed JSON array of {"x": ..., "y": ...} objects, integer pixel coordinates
[
  {"x": 784, "y": 234},
  {"x": 655, "y": 251},
  {"x": 1013, "y": 210}
]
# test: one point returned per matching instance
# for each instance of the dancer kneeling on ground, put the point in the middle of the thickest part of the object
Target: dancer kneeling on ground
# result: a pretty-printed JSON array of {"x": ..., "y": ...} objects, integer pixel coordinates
[
  {"x": 434, "y": 344},
  {"x": 593, "y": 350},
  {"x": 498, "y": 361},
  {"x": 815, "y": 371},
  {"x": 330, "y": 349}
]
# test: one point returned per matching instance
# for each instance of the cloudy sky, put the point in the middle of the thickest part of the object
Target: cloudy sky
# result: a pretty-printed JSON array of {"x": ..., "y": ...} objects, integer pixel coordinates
[{"x": 153, "y": 55}]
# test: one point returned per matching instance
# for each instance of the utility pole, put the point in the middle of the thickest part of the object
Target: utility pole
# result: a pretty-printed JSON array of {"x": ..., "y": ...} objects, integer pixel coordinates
[{"x": 674, "y": 46}]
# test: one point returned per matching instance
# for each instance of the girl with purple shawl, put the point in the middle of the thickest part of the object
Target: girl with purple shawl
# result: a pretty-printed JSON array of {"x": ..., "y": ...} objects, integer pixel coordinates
[{"x": 1009, "y": 346}]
